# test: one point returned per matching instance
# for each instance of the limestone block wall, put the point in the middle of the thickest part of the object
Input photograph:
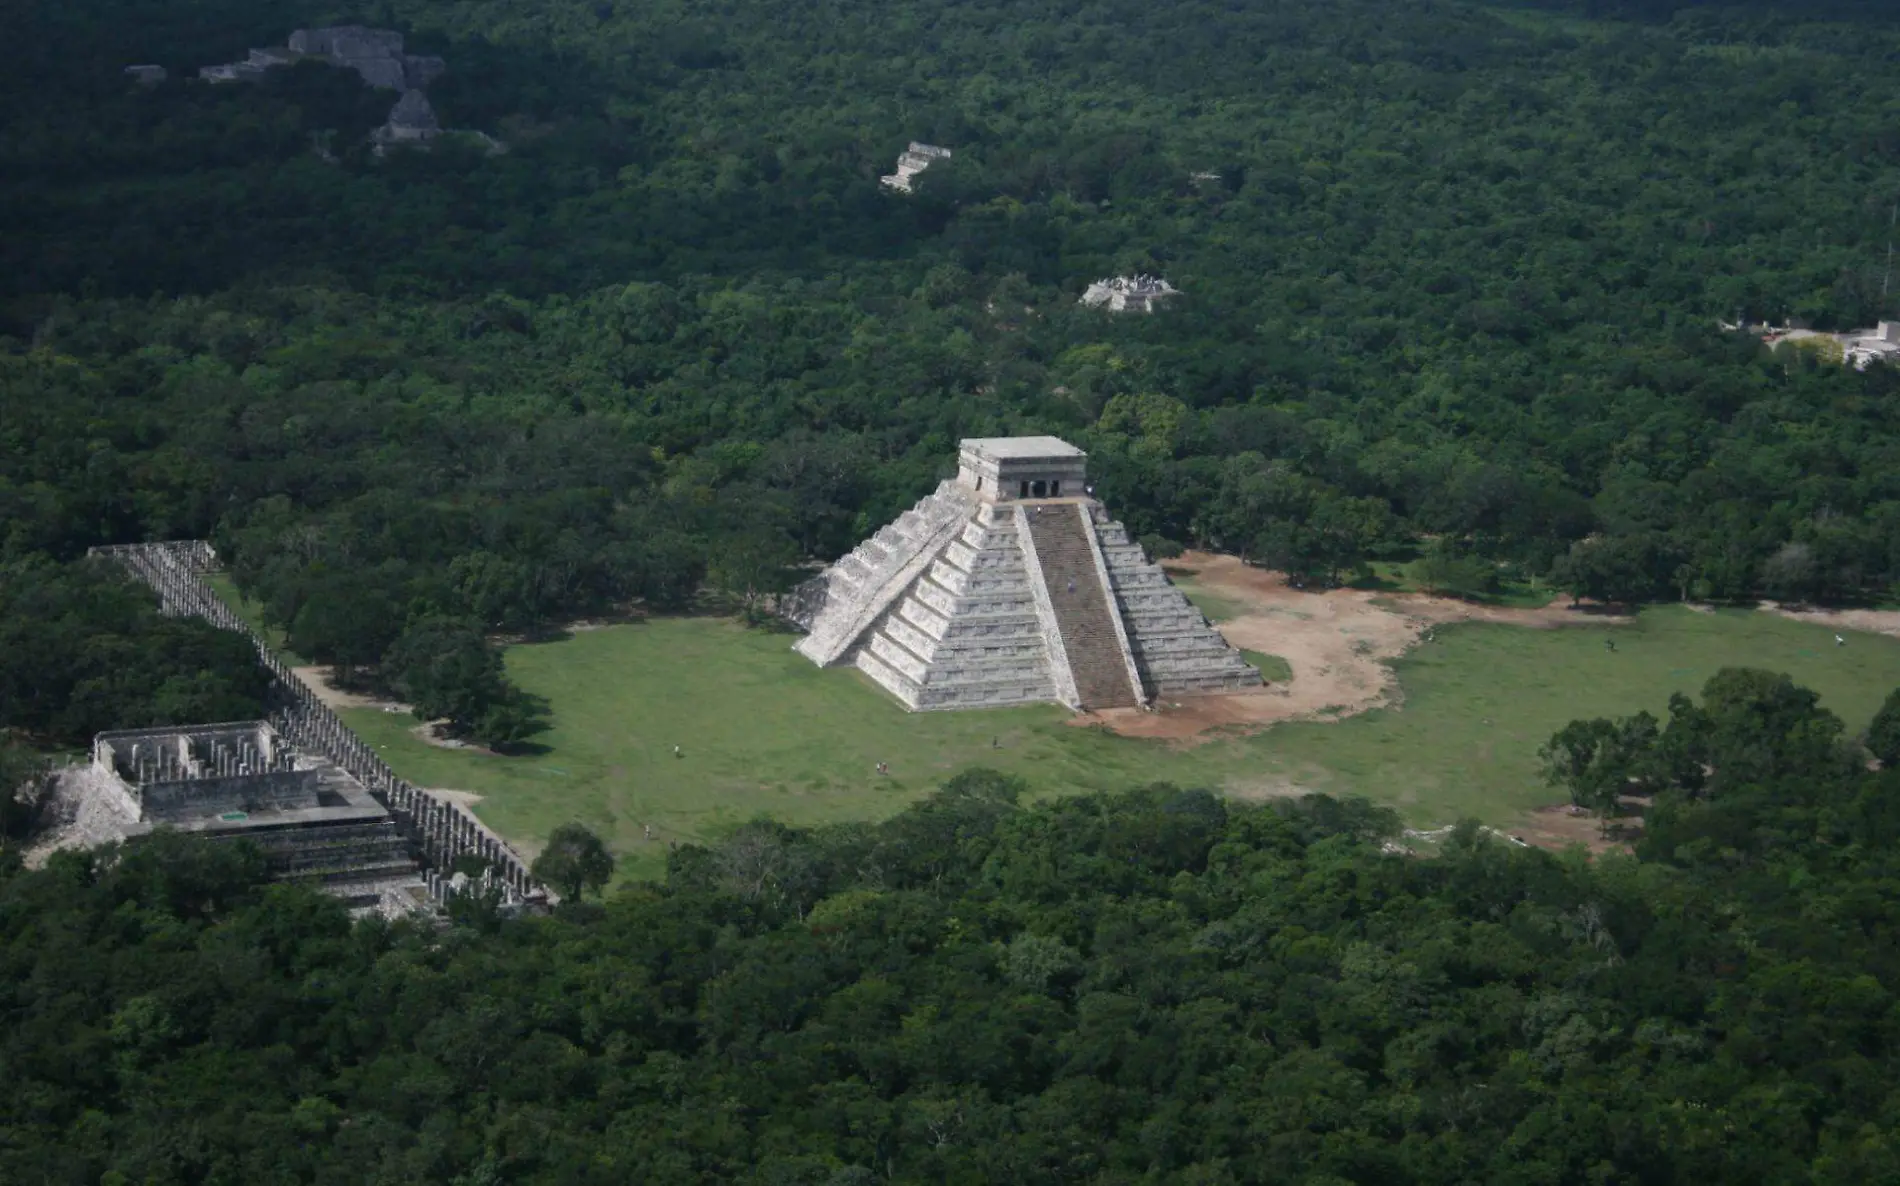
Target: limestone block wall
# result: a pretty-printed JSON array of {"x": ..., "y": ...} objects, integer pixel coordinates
[
  {"x": 839, "y": 606},
  {"x": 965, "y": 633},
  {"x": 333, "y": 852},
  {"x": 1004, "y": 479},
  {"x": 196, "y": 798}
]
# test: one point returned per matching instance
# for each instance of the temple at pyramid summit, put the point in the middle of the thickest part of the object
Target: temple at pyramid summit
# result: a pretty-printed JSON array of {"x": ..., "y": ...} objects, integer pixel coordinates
[{"x": 1011, "y": 585}]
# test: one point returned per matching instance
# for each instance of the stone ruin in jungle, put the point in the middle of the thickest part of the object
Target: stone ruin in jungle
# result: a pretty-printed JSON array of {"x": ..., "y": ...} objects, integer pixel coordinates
[
  {"x": 315, "y": 798},
  {"x": 376, "y": 55},
  {"x": 1011, "y": 584}
]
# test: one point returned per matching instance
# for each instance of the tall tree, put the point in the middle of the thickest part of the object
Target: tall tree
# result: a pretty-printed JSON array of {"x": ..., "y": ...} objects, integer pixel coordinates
[{"x": 573, "y": 861}]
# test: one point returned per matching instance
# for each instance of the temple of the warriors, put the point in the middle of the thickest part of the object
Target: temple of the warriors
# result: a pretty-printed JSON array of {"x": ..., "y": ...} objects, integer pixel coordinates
[
  {"x": 243, "y": 781},
  {"x": 316, "y": 798},
  {"x": 1012, "y": 585}
]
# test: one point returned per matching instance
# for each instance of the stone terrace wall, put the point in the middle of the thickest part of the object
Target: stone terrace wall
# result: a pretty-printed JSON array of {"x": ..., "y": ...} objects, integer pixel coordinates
[
  {"x": 441, "y": 830},
  {"x": 282, "y": 790}
]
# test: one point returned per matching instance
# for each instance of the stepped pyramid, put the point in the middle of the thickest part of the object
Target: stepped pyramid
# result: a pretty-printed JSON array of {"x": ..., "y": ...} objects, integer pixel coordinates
[{"x": 1011, "y": 585}]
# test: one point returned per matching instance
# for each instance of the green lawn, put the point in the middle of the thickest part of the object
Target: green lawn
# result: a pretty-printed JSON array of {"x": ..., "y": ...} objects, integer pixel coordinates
[
  {"x": 1214, "y": 605},
  {"x": 1273, "y": 668},
  {"x": 764, "y": 732},
  {"x": 253, "y": 613},
  {"x": 1481, "y": 699}
]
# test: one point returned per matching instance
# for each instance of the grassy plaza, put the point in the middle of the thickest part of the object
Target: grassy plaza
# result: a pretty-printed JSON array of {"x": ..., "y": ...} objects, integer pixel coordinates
[{"x": 763, "y": 732}]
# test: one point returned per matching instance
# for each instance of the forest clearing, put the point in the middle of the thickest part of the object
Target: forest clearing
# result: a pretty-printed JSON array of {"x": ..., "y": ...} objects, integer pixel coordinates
[
  {"x": 1439, "y": 730},
  {"x": 407, "y": 772}
]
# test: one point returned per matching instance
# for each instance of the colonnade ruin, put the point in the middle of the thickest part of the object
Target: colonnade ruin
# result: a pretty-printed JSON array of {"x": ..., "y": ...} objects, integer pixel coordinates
[{"x": 436, "y": 832}]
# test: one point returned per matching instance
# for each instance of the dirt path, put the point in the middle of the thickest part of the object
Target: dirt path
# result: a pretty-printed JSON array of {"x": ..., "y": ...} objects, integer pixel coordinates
[
  {"x": 317, "y": 679},
  {"x": 1338, "y": 642},
  {"x": 1873, "y": 621}
]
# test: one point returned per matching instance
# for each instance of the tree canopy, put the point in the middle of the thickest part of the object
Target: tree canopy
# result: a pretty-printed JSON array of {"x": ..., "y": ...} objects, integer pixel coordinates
[
  {"x": 1154, "y": 985},
  {"x": 83, "y": 649},
  {"x": 1451, "y": 277},
  {"x": 574, "y": 861}
]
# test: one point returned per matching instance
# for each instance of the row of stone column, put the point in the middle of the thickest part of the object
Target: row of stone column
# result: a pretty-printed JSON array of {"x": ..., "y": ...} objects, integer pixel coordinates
[
  {"x": 442, "y": 886},
  {"x": 443, "y": 830}
]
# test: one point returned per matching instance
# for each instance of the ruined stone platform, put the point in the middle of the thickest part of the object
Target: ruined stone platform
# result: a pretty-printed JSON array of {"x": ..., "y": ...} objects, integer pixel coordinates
[
  {"x": 242, "y": 781},
  {"x": 1011, "y": 584}
]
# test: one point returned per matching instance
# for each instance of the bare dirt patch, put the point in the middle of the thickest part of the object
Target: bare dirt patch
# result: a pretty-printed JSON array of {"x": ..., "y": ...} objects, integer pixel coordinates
[
  {"x": 460, "y": 798},
  {"x": 1561, "y": 825},
  {"x": 317, "y": 679},
  {"x": 1872, "y": 621},
  {"x": 1338, "y": 642}
]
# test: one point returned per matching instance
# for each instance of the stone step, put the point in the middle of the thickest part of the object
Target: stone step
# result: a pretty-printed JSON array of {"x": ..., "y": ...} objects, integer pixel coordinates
[
  {"x": 1005, "y": 603},
  {"x": 1175, "y": 647},
  {"x": 966, "y": 693},
  {"x": 1083, "y": 608},
  {"x": 928, "y": 663},
  {"x": 1165, "y": 688},
  {"x": 966, "y": 625}
]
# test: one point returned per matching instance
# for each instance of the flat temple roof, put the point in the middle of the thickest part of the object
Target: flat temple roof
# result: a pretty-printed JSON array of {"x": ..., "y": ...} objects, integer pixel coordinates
[{"x": 1021, "y": 448}]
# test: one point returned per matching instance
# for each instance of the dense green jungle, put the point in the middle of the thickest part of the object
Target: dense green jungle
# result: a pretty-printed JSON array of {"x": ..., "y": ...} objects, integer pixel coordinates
[
  {"x": 1156, "y": 986},
  {"x": 1451, "y": 281},
  {"x": 1455, "y": 287}
]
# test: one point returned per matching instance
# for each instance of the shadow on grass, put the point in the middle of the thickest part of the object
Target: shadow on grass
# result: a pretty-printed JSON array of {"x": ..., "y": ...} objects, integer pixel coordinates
[
  {"x": 1604, "y": 609},
  {"x": 1509, "y": 597},
  {"x": 522, "y": 749},
  {"x": 565, "y": 631},
  {"x": 1374, "y": 583}
]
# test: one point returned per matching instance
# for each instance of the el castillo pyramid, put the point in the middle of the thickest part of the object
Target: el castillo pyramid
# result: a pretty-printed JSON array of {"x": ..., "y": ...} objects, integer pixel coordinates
[{"x": 1011, "y": 585}]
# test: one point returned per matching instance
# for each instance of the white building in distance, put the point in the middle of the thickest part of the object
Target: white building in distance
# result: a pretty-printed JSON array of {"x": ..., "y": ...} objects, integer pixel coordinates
[
  {"x": 1856, "y": 348},
  {"x": 1128, "y": 294},
  {"x": 915, "y": 160},
  {"x": 1880, "y": 344}
]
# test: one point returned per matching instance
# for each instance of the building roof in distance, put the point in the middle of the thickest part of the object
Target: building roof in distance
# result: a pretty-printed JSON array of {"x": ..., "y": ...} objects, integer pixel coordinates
[{"x": 1020, "y": 448}]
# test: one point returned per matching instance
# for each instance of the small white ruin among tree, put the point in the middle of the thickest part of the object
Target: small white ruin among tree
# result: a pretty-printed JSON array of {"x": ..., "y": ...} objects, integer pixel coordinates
[
  {"x": 1859, "y": 348},
  {"x": 915, "y": 160},
  {"x": 1129, "y": 294}
]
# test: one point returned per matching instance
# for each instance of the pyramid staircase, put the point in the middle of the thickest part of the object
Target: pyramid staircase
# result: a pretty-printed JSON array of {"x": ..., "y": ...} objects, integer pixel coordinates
[
  {"x": 1176, "y": 649},
  {"x": 1092, "y": 639}
]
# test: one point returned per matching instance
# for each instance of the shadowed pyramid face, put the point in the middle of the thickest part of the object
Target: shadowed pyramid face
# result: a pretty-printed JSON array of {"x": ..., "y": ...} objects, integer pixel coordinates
[{"x": 1010, "y": 585}]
